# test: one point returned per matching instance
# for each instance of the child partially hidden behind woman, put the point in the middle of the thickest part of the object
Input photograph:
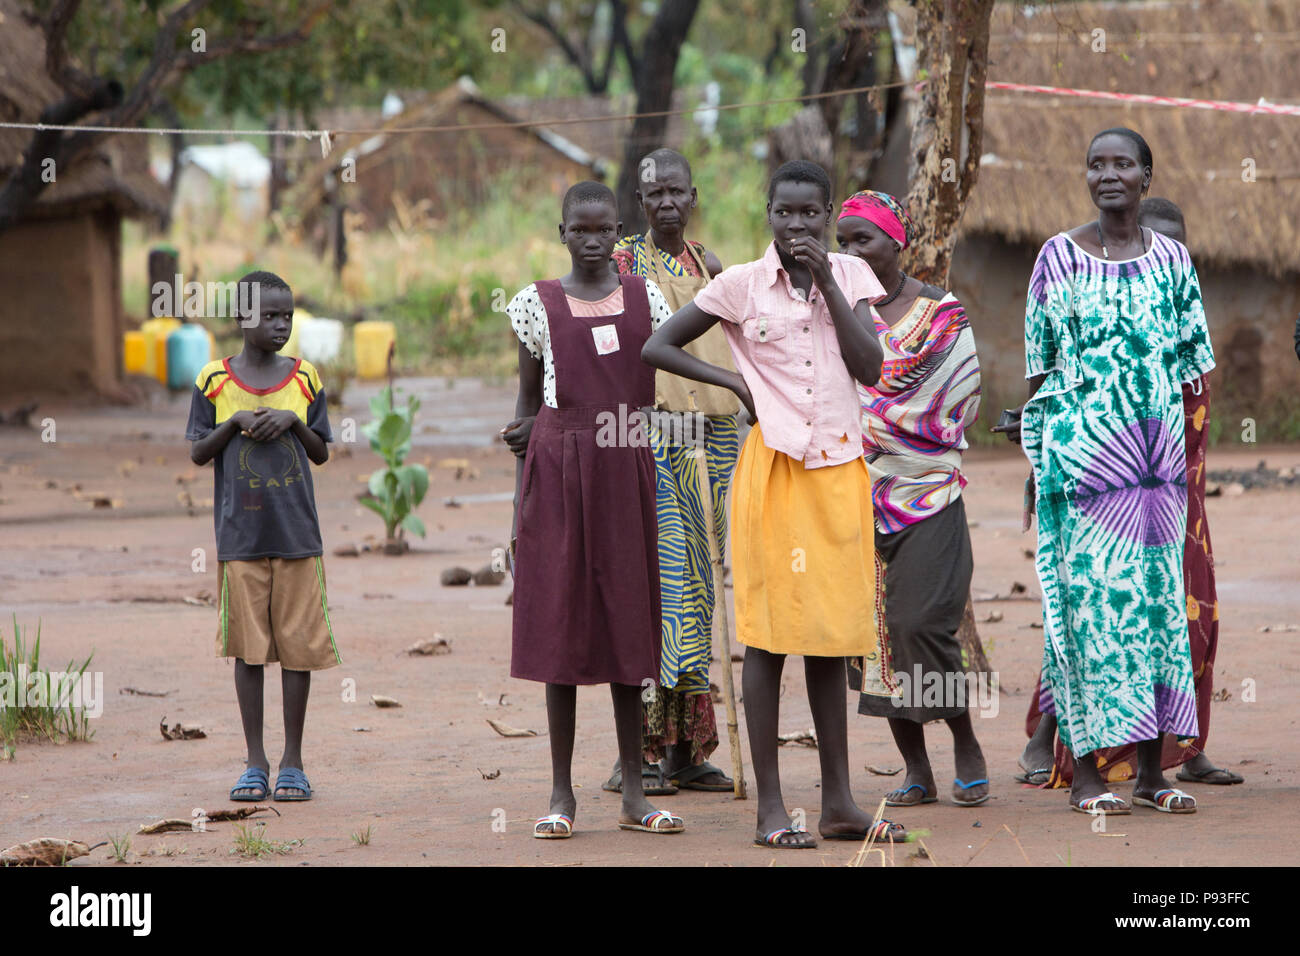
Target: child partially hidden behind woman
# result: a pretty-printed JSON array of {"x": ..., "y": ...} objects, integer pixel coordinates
[{"x": 586, "y": 601}]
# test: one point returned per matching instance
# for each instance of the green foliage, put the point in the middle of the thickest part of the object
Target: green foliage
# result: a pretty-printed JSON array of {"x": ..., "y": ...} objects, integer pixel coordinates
[
  {"x": 121, "y": 846},
  {"x": 397, "y": 489},
  {"x": 253, "y": 842},
  {"x": 732, "y": 216},
  {"x": 448, "y": 318},
  {"x": 42, "y": 720},
  {"x": 354, "y": 52}
]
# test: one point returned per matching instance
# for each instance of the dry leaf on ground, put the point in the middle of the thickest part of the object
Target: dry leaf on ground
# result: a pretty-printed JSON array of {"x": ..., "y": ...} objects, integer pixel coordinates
[
  {"x": 429, "y": 648},
  {"x": 213, "y": 816},
  {"x": 505, "y": 730},
  {"x": 805, "y": 738},
  {"x": 45, "y": 851},
  {"x": 180, "y": 731}
]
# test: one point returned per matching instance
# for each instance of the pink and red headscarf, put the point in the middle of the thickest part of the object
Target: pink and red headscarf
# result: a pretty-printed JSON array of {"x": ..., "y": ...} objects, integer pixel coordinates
[{"x": 883, "y": 210}]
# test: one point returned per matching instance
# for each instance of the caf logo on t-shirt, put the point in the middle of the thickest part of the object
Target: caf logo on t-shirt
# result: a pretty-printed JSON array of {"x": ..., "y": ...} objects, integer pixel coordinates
[{"x": 268, "y": 465}]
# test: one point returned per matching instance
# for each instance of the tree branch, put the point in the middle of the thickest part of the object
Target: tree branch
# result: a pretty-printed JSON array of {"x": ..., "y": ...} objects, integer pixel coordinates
[
  {"x": 622, "y": 39},
  {"x": 164, "y": 54},
  {"x": 27, "y": 182},
  {"x": 55, "y": 28},
  {"x": 164, "y": 70},
  {"x": 165, "y": 66},
  {"x": 577, "y": 57},
  {"x": 654, "y": 92}
]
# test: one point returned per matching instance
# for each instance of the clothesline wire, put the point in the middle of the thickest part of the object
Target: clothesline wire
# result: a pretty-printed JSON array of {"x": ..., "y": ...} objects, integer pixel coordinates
[
  {"x": 326, "y": 135},
  {"x": 454, "y": 128}
]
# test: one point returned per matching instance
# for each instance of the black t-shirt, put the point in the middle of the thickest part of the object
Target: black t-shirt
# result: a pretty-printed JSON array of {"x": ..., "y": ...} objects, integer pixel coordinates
[{"x": 263, "y": 502}]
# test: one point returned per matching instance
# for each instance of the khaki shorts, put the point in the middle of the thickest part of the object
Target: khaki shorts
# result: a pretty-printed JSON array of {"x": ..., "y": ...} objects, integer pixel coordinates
[{"x": 274, "y": 609}]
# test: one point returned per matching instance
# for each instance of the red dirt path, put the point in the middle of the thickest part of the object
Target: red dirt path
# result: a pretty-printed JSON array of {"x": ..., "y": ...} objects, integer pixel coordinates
[{"x": 415, "y": 775}]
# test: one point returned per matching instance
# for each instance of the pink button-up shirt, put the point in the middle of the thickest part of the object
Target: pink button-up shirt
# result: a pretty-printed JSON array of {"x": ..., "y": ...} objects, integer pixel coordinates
[{"x": 786, "y": 350}]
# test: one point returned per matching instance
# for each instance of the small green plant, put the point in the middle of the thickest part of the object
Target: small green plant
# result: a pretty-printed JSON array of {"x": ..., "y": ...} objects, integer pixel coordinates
[
  {"x": 397, "y": 489},
  {"x": 166, "y": 849},
  {"x": 362, "y": 837},
  {"x": 252, "y": 842},
  {"x": 121, "y": 846},
  {"x": 36, "y": 703}
]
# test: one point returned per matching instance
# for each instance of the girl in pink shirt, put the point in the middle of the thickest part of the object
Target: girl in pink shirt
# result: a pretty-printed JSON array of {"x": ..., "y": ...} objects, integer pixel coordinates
[{"x": 798, "y": 321}]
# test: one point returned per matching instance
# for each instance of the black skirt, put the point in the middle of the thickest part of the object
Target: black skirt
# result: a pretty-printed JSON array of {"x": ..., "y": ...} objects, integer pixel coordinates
[{"x": 927, "y": 572}]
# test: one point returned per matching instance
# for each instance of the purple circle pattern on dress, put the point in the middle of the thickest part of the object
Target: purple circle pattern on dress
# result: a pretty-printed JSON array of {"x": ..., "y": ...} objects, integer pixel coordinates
[{"x": 1136, "y": 485}]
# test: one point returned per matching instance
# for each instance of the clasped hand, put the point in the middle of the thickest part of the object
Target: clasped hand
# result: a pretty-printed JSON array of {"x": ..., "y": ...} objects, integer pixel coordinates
[{"x": 264, "y": 424}]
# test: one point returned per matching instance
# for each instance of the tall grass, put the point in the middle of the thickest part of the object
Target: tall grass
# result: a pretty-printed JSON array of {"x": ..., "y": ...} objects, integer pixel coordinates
[{"x": 40, "y": 721}]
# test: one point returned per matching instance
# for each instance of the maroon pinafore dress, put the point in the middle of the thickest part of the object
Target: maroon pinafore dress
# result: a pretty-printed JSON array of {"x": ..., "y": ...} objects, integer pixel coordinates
[{"x": 586, "y": 602}]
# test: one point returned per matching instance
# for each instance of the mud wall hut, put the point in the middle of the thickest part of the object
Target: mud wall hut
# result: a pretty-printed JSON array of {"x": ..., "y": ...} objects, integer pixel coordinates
[{"x": 1235, "y": 176}]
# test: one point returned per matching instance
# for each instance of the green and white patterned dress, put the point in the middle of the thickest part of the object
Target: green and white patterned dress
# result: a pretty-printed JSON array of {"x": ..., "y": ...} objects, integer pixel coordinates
[{"x": 1104, "y": 434}]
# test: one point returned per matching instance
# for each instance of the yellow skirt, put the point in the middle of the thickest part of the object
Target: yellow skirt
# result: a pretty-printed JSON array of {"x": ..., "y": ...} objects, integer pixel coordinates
[{"x": 803, "y": 554}]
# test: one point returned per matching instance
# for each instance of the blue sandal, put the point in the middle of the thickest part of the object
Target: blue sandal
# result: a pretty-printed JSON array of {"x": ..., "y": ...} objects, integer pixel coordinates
[
  {"x": 899, "y": 798},
  {"x": 291, "y": 778},
  {"x": 254, "y": 778},
  {"x": 957, "y": 782}
]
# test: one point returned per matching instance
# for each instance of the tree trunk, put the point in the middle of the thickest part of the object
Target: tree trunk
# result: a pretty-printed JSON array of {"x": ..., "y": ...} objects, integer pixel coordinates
[
  {"x": 816, "y": 133},
  {"x": 947, "y": 136},
  {"x": 948, "y": 129},
  {"x": 654, "y": 92},
  {"x": 278, "y": 184},
  {"x": 175, "y": 146},
  {"x": 851, "y": 62}
]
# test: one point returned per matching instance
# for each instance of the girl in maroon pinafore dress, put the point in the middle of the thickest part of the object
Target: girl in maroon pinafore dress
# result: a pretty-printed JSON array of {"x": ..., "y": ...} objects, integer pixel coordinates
[
  {"x": 586, "y": 563},
  {"x": 586, "y": 604}
]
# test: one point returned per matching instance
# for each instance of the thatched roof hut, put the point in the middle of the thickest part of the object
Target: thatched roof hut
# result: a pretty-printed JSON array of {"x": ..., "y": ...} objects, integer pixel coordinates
[
  {"x": 1241, "y": 236},
  {"x": 61, "y": 317},
  {"x": 1031, "y": 179},
  {"x": 453, "y": 169},
  {"x": 114, "y": 174}
]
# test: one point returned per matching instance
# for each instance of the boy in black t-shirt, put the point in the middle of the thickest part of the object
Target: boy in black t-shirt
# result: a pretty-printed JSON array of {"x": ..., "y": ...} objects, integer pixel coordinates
[{"x": 260, "y": 415}]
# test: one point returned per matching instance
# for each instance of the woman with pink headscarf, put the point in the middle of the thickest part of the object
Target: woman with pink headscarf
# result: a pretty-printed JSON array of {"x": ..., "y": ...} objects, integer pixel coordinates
[{"x": 913, "y": 434}]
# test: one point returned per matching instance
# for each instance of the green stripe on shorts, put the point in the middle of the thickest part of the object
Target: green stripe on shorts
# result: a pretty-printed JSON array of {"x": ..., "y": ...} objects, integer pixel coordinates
[
  {"x": 225, "y": 611},
  {"x": 320, "y": 580}
]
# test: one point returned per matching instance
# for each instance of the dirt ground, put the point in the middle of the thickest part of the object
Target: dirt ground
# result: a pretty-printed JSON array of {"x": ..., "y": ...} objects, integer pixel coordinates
[{"x": 113, "y": 581}]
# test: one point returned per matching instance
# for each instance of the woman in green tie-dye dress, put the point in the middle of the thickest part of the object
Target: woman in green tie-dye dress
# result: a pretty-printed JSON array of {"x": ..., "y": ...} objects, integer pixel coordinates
[{"x": 1112, "y": 340}]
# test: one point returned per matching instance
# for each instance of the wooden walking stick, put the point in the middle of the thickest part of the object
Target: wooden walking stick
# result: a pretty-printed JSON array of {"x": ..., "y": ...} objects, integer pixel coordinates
[{"x": 720, "y": 623}]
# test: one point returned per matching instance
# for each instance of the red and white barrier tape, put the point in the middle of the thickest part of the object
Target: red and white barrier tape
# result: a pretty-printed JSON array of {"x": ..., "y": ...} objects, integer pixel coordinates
[{"x": 1226, "y": 106}]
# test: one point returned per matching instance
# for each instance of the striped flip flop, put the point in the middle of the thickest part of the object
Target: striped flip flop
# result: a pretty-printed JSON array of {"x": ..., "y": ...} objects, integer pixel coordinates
[
  {"x": 656, "y": 821},
  {"x": 1165, "y": 797},
  {"x": 773, "y": 839},
  {"x": 1093, "y": 805},
  {"x": 556, "y": 820}
]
